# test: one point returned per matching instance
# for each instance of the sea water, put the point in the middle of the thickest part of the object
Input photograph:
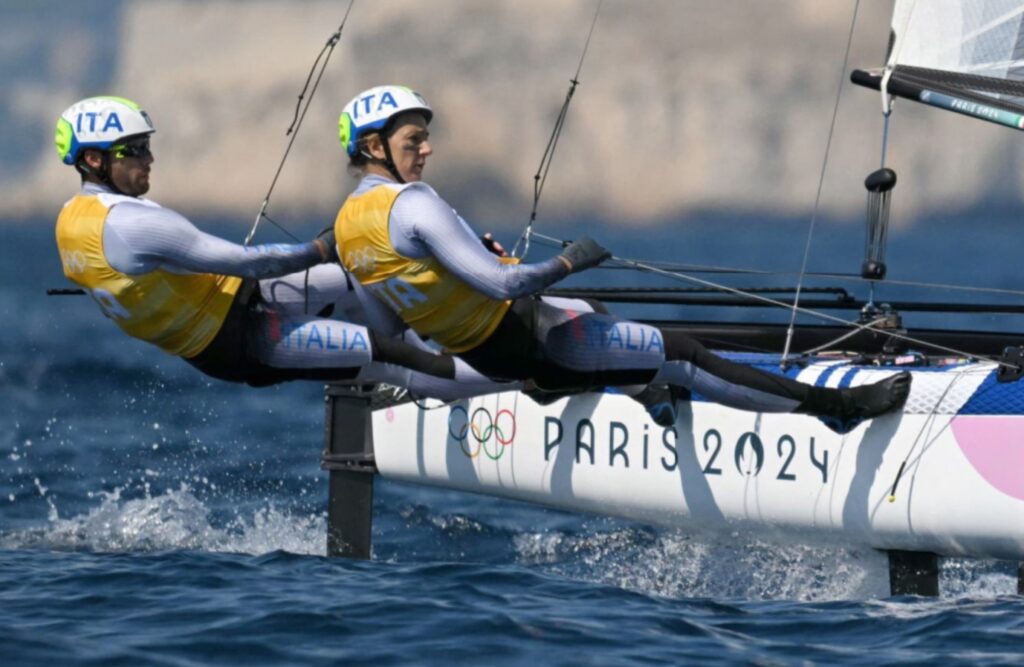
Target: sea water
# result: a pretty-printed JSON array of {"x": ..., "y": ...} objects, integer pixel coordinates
[{"x": 149, "y": 515}]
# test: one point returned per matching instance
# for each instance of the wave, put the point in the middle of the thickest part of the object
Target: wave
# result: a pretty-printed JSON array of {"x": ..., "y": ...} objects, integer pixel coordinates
[
  {"x": 678, "y": 565},
  {"x": 665, "y": 564},
  {"x": 173, "y": 520}
]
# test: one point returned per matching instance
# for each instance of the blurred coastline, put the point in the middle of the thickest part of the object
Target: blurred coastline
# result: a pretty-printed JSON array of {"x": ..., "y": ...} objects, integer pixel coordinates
[{"x": 683, "y": 107}]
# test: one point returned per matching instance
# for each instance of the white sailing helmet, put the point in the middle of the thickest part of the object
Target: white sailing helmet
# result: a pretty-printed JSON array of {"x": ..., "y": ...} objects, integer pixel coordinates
[
  {"x": 99, "y": 122},
  {"x": 372, "y": 110}
]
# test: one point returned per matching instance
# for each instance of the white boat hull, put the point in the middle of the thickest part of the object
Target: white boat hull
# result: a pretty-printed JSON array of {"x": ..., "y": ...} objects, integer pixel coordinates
[{"x": 961, "y": 492}]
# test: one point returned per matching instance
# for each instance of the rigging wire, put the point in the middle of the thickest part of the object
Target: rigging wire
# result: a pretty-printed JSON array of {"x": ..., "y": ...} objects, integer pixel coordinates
[
  {"x": 926, "y": 426},
  {"x": 724, "y": 270},
  {"x": 300, "y": 114},
  {"x": 292, "y": 131},
  {"x": 887, "y": 115},
  {"x": 817, "y": 196},
  {"x": 946, "y": 286},
  {"x": 858, "y": 326},
  {"x": 848, "y": 277},
  {"x": 887, "y": 103},
  {"x": 840, "y": 339},
  {"x": 541, "y": 177}
]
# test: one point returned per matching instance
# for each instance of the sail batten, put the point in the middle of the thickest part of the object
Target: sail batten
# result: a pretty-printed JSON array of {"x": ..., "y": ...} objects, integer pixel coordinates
[{"x": 1006, "y": 18}]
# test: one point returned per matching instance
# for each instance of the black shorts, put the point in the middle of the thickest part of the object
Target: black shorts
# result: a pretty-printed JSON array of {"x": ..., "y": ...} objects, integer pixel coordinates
[
  {"x": 515, "y": 351},
  {"x": 229, "y": 357}
]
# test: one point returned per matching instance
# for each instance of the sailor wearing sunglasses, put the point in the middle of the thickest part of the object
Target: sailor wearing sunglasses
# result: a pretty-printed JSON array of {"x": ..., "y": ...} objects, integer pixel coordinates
[{"x": 254, "y": 314}]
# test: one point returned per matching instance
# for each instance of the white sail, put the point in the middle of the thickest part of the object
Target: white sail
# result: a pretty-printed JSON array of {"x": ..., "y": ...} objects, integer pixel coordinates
[
  {"x": 965, "y": 56},
  {"x": 981, "y": 37}
]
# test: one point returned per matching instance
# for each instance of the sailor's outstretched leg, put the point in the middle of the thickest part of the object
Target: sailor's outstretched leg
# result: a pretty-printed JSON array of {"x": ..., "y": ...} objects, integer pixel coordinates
[
  {"x": 843, "y": 409},
  {"x": 595, "y": 349},
  {"x": 747, "y": 388},
  {"x": 562, "y": 350}
]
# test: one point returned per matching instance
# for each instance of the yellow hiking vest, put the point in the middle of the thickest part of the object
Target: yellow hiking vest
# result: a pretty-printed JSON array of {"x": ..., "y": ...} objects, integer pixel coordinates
[
  {"x": 181, "y": 313},
  {"x": 427, "y": 296}
]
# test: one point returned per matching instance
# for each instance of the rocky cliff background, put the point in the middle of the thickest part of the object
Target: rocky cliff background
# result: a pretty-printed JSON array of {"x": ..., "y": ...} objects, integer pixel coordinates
[{"x": 684, "y": 105}]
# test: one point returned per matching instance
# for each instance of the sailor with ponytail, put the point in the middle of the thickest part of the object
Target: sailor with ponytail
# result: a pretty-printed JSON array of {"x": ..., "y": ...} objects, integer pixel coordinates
[{"x": 405, "y": 243}]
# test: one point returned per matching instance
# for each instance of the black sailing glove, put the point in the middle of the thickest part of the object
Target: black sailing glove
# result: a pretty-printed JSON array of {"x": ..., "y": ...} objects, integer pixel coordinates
[
  {"x": 330, "y": 249},
  {"x": 584, "y": 253},
  {"x": 492, "y": 245}
]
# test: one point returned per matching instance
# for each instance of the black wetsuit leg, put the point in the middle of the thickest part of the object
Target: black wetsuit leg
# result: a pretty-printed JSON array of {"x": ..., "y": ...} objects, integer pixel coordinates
[
  {"x": 230, "y": 356},
  {"x": 510, "y": 353},
  {"x": 681, "y": 347},
  {"x": 516, "y": 351},
  {"x": 533, "y": 339},
  {"x": 565, "y": 351}
]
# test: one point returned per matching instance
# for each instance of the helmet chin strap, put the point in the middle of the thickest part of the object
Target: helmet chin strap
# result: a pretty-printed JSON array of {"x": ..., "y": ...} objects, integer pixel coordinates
[
  {"x": 103, "y": 174},
  {"x": 389, "y": 162}
]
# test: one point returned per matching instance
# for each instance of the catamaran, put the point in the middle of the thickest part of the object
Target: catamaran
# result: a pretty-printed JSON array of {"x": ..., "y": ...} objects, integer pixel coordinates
[{"x": 944, "y": 476}]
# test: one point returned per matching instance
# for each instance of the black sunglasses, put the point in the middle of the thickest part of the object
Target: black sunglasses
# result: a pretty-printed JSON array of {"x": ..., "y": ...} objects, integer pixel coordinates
[{"x": 139, "y": 149}]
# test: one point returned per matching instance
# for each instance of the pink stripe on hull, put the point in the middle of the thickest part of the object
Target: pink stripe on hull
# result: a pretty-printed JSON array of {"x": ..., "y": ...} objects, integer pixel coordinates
[{"x": 995, "y": 447}]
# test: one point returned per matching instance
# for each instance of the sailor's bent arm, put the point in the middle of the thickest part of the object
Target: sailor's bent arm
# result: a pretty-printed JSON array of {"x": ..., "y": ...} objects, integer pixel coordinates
[
  {"x": 423, "y": 224},
  {"x": 141, "y": 238}
]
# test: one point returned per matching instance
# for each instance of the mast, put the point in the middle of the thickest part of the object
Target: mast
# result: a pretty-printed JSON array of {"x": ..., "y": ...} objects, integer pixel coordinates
[{"x": 964, "y": 56}]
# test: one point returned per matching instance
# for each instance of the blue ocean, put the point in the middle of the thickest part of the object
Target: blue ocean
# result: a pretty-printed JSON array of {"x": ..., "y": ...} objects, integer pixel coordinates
[{"x": 152, "y": 516}]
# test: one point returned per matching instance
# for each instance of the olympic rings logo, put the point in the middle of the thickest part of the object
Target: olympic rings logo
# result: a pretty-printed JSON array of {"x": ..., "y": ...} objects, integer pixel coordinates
[{"x": 481, "y": 429}]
